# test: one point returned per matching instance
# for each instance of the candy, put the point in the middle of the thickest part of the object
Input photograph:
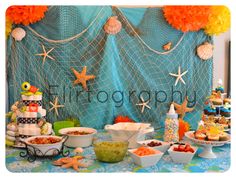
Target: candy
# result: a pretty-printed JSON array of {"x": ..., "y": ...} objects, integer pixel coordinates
[{"x": 171, "y": 130}]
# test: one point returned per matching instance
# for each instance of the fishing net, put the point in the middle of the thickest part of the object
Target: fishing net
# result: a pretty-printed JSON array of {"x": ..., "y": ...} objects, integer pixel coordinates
[{"x": 127, "y": 65}]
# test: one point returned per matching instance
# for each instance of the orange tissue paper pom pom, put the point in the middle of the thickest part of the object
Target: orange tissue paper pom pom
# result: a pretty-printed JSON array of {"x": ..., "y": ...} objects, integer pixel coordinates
[
  {"x": 187, "y": 18},
  {"x": 26, "y": 14},
  {"x": 183, "y": 127}
]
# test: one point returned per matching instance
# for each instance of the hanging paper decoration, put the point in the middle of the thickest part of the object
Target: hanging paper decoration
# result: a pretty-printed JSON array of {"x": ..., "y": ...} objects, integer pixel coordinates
[
  {"x": 25, "y": 14},
  {"x": 8, "y": 27},
  {"x": 112, "y": 26},
  {"x": 18, "y": 34},
  {"x": 219, "y": 20},
  {"x": 205, "y": 51},
  {"x": 187, "y": 18},
  {"x": 121, "y": 118}
]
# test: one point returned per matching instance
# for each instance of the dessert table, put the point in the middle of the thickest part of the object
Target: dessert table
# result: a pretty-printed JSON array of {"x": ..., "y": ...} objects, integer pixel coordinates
[{"x": 15, "y": 163}]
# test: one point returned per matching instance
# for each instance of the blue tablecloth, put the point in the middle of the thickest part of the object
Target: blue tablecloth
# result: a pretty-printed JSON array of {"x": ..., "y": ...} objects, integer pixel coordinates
[{"x": 15, "y": 163}]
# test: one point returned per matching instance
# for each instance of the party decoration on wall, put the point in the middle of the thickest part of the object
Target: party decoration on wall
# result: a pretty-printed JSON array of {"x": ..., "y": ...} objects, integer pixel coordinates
[
  {"x": 82, "y": 78},
  {"x": 182, "y": 109},
  {"x": 55, "y": 106},
  {"x": 8, "y": 27},
  {"x": 219, "y": 20},
  {"x": 112, "y": 60},
  {"x": 143, "y": 104},
  {"x": 183, "y": 128},
  {"x": 25, "y": 14},
  {"x": 167, "y": 46},
  {"x": 187, "y": 18},
  {"x": 70, "y": 162},
  {"x": 18, "y": 34},
  {"x": 121, "y": 118},
  {"x": 205, "y": 51},
  {"x": 179, "y": 76},
  {"x": 112, "y": 26},
  {"x": 45, "y": 54}
]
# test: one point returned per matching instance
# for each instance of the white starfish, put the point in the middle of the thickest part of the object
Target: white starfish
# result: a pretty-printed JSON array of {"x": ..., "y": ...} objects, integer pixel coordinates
[
  {"x": 179, "y": 76},
  {"x": 45, "y": 54},
  {"x": 55, "y": 106},
  {"x": 143, "y": 104}
]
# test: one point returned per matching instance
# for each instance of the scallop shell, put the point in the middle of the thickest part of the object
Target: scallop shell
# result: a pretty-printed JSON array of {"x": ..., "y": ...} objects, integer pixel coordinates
[
  {"x": 205, "y": 51},
  {"x": 167, "y": 46},
  {"x": 18, "y": 34},
  {"x": 112, "y": 26}
]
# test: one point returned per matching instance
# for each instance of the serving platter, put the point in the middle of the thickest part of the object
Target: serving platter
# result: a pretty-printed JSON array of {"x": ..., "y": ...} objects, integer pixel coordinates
[{"x": 207, "y": 145}]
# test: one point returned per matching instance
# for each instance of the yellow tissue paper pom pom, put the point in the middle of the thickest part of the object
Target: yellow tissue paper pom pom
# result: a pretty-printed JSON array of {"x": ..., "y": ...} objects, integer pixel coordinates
[
  {"x": 8, "y": 27},
  {"x": 218, "y": 21}
]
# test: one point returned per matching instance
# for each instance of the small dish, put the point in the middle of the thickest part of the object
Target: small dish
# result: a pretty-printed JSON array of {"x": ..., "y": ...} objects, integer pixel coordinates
[
  {"x": 147, "y": 160},
  {"x": 44, "y": 149},
  {"x": 163, "y": 147},
  {"x": 181, "y": 157},
  {"x": 74, "y": 141}
]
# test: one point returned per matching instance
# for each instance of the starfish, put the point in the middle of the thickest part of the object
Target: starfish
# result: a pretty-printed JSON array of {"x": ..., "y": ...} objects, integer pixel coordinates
[
  {"x": 82, "y": 78},
  {"x": 179, "y": 76},
  {"x": 55, "y": 106},
  {"x": 45, "y": 54},
  {"x": 68, "y": 162},
  {"x": 183, "y": 108},
  {"x": 143, "y": 104}
]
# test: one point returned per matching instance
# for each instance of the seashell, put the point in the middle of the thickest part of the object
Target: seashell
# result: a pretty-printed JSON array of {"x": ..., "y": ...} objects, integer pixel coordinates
[
  {"x": 18, "y": 34},
  {"x": 112, "y": 26},
  {"x": 167, "y": 46},
  {"x": 205, "y": 51},
  {"x": 78, "y": 150}
]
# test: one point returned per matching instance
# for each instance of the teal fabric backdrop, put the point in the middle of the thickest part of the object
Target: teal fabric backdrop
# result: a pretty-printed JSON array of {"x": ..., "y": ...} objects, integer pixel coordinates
[{"x": 132, "y": 60}]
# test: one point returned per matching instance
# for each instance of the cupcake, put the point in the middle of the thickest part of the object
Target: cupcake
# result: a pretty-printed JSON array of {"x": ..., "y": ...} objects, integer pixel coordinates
[
  {"x": 227, "y": 100},
  {"x": 210, "y": 111},
  {"x": 223, "y": 136},
  {"x": 225, "y": 112},
  {"x": 212, "y": 137},
  {"x": 216, "y": 101},
  {"x": 222, "y": 120},
  {"x": 199, "y": 135},
  {"x": 220, "y": 89}
]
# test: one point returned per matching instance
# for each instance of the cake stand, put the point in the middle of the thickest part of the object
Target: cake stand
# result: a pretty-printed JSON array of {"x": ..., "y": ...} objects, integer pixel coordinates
[{"x": 207, "y": 145}]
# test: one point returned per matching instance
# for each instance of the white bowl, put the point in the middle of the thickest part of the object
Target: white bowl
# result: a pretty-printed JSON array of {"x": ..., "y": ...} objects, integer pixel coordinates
[
  {"x": 145, "y": 161},
  {"x": 163, "y": 148},
  {"x": 181, "y": 157},
  {"x": 131, "y": 132},
  {"x": 78, "y": 140},
  {"x": 44, "y": 149}
]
